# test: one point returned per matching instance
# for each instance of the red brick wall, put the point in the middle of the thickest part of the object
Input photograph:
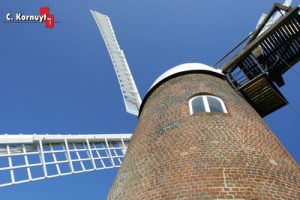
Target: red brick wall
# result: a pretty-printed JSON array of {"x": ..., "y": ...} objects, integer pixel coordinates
[{"x": 175, "y": 155}]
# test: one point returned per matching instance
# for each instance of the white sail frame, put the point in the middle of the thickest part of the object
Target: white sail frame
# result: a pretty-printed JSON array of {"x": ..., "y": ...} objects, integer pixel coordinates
[
  {"x": 26, "y": 158},
  {"x": 131, "y": 96},
  {"x": 273, "y": 19}
]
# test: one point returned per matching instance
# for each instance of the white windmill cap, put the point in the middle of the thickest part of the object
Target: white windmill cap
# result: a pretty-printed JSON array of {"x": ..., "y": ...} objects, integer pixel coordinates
[{"x": 186, "y": 67}]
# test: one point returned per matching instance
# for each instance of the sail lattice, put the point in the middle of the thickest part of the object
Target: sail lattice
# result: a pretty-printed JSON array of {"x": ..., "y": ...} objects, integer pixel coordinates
[
  {"x": 131, "y": 96},
  {"x": 26, "y": 158}
]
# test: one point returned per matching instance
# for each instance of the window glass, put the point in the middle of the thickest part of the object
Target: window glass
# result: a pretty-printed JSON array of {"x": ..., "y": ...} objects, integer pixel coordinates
[
  {"x": 214, "y": 104},
  {"x": 198, "y": 105},
  {"x": 206, "y": 103}
]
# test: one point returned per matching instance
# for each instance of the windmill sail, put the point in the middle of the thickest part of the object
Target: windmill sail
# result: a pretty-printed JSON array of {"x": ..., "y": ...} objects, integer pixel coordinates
[
  {"x": 129, "y": 90},
  {"x": 26, "y": 158},
  {"x": 273, "y": 19}
]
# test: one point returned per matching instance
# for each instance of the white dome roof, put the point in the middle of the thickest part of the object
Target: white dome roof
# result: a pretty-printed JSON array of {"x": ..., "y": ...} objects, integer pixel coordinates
[{"x": 185, "y": 68}]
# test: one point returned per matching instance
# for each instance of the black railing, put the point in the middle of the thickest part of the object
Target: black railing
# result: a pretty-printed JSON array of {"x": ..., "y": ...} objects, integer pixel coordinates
[{"x": 272, "y": 53}]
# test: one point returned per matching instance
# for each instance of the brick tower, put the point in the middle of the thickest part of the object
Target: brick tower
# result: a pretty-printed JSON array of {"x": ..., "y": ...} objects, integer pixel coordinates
[{"x": 183, "y": 152}]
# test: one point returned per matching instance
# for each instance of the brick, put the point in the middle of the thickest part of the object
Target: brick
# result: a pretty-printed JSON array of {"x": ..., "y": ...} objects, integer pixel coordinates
[{"x": 175, "y": 155}]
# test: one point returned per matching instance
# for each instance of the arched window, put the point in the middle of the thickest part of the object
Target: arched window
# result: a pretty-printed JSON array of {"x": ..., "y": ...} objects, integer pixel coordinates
[{"x": 206, "y": 103}]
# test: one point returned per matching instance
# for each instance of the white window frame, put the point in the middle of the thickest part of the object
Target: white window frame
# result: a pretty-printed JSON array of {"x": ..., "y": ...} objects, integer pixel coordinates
[{"x": 205, "y": 102}]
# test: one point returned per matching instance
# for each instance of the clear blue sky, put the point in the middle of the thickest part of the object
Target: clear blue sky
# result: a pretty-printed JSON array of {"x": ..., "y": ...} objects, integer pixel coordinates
[{"x": 62, "y": 81}]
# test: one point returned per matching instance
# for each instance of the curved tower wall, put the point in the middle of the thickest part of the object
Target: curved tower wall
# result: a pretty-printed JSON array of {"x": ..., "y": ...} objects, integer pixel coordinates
[{"x": 175, "y": 155}]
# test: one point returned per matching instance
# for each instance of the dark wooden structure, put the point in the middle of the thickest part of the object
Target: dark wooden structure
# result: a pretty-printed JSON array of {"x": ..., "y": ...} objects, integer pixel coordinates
[{"x": 257, "y": 69}]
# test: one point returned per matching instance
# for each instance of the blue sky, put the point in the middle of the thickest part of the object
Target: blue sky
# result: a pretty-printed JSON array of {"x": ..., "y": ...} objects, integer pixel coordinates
[{"x": 61, "y": 81}]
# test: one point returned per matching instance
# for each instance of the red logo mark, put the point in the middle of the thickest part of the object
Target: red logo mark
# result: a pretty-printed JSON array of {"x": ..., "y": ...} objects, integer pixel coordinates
[{"x": 49, "y": 21}]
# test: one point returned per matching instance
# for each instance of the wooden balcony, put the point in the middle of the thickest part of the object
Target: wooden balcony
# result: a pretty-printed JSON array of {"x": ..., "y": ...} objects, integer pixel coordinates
[
  {"x": 257, "y": 69},
  {"x": 263, "y": 95}
]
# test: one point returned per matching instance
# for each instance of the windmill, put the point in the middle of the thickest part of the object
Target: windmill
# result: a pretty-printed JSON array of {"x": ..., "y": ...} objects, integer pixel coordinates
[{"x": 111, "y": 148}]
